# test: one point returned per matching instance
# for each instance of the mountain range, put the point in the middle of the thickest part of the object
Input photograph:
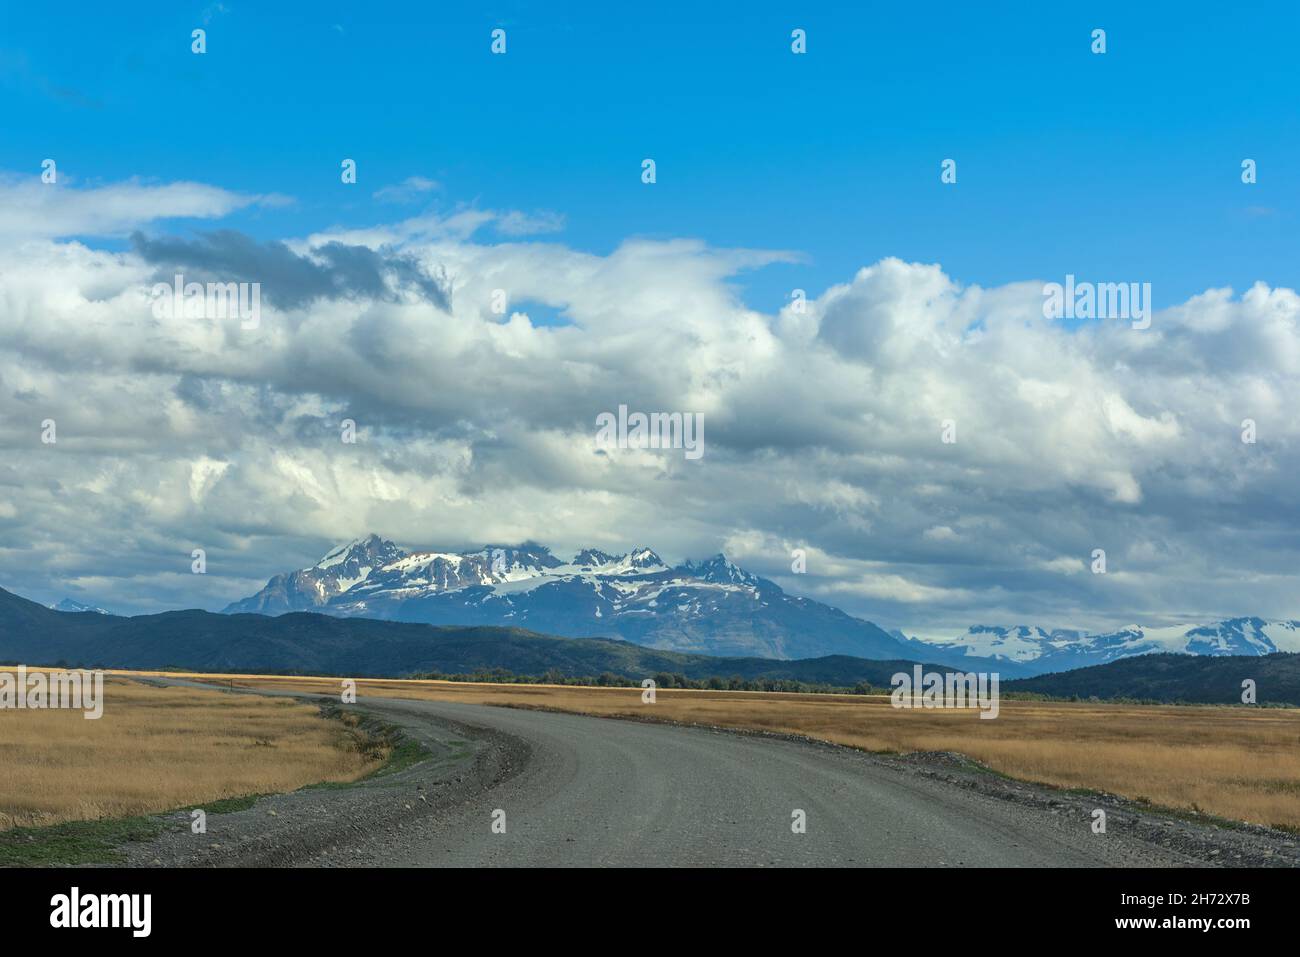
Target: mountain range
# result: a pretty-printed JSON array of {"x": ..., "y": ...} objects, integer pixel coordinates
[
  {"x": 1039, "y": 651},
  {"x": 712, "y": 607},
  {"x": 308, "y": 643}
]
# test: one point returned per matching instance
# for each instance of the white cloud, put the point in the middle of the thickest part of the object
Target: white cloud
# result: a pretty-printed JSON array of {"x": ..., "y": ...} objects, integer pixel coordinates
[
  {"x": 823, "y": 427},
  {"x": 408, "y": 190},
  {"x": 515, "y": 223},
  {"x": 31, "y": 209}
]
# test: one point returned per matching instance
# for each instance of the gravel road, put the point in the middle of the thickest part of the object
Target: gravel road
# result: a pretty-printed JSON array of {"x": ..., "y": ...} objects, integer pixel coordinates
[{"x": 585, "y": 791}]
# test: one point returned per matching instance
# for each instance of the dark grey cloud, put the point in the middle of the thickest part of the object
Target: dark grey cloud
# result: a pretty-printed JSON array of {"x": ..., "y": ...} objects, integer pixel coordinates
[{"x": 333, "y": 270}]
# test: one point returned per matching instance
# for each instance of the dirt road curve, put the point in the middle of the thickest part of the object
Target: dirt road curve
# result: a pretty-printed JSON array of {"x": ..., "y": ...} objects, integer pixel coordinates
[{"x": 588, "y": 791}]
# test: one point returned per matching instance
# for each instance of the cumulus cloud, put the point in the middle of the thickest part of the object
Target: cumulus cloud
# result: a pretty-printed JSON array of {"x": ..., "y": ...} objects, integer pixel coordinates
[{"x": 824, "y": 424}]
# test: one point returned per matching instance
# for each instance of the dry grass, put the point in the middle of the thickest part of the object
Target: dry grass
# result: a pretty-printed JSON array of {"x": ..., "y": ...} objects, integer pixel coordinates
[
  {"x": 156, "y": 749},
  {"x": 1237, "y": 763}
]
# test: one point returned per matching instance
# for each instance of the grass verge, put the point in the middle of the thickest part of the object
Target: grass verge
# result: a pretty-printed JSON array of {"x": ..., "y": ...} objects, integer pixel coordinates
[{"x": 73, "y": 843}]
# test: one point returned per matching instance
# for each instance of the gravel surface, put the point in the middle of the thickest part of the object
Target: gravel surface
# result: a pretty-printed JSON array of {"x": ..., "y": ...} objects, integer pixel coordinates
[{"x": 586, "y": 791}]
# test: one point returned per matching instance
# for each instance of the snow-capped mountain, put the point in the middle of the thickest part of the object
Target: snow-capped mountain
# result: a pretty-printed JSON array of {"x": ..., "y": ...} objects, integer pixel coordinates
[
  {"x": 1040, "y": 651},
  {"x": 713, "y": 606},
  {"x": 304, "y": 590},
  {"x": 71, "y": 605}
]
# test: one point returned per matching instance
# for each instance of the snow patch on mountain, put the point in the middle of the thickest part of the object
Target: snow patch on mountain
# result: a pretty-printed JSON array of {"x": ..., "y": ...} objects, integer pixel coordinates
[
  {"x": 73, "y": 606},
  {"x": 1060, "y": 650}
]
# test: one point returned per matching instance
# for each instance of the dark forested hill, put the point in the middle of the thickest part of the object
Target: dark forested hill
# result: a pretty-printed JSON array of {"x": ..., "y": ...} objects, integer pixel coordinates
[
  {"x": 303, "y": 643},
  {"x": 1192, "y": 678}
]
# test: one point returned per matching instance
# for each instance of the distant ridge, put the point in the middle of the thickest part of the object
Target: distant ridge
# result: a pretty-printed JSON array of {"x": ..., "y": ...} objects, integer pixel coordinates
[
  {"x": 305, "y": 643},
  {"x": 1177, "y": 678},
  {"x": 1041, "y": 651}
]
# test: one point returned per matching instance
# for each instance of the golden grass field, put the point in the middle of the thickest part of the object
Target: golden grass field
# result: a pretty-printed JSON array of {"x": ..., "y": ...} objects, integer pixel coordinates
[
  {"x": 156, "y": 749},
  {"x": 161, "y": 748},
  {"x": 1236, "y": 763}
]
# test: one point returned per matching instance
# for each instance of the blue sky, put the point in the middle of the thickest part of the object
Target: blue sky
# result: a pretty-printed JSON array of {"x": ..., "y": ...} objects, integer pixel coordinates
[{"x": 1122, "y": 165}]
